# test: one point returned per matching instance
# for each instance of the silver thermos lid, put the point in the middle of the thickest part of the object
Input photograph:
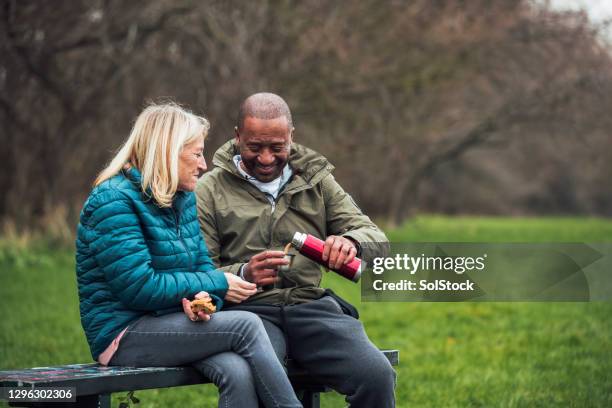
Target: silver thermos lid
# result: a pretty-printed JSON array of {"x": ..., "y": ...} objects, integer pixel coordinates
[{"x": 298, "y": 240}]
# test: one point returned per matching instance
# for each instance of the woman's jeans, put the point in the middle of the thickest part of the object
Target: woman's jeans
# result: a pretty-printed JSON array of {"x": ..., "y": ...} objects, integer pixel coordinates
[{"x": 236, "y": 338}]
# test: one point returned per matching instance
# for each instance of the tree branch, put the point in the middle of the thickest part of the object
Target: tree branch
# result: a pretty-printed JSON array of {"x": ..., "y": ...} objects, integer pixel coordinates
[
  {"x": 13, "y": 117},
  {"x": 37, "y": 71},
  {"x": 143, "y": 32}
]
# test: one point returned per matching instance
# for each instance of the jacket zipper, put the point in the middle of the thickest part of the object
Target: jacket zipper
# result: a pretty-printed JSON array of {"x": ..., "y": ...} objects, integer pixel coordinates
[
  {"x": 178, "y": 232},
  {"x": 282, "y": 191},
  {"x": 273, "y": 207}
]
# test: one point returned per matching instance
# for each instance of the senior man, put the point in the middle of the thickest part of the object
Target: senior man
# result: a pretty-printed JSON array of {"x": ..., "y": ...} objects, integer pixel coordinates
[{"x": 263, "y": 189}]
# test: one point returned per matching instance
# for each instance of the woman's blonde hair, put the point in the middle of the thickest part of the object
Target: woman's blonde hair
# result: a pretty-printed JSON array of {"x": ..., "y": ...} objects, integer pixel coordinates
[{"x": 153, "y": 147}]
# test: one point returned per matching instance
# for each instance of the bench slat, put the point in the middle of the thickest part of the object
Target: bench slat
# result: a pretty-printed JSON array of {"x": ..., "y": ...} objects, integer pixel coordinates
[{"x": 94, "y": 379}]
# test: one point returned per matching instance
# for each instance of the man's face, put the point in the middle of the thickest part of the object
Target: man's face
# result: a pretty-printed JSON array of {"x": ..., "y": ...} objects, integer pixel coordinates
[{"x": 264, "y": 146}]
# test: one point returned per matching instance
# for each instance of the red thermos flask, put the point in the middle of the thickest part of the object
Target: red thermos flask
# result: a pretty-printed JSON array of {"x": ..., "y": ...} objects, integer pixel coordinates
[{"x": 312, "y": 248}]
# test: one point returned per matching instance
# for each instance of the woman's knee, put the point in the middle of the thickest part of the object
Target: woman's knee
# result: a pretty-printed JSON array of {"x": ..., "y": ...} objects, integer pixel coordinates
[
  {"x": 227, "y": 371},
  {"x": 249, "y": 321}
]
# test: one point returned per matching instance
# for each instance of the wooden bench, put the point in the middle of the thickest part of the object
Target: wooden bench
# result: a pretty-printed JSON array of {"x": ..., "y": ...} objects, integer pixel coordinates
[{"x": 95, "y": 383}]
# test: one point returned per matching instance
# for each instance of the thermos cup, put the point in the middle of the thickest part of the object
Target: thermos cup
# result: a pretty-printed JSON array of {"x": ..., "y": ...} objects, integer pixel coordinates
[{"x": 312, "y": 248}]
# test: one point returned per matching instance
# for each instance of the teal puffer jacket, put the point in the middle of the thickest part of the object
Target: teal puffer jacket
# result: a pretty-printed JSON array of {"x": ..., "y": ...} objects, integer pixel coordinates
[{"x": 135, "y": 258}]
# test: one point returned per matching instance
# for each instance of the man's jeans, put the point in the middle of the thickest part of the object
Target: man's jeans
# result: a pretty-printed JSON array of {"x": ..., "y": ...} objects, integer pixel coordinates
[
  {"x": 333, "y": 347},
  {"x": 235, "y": 339}
]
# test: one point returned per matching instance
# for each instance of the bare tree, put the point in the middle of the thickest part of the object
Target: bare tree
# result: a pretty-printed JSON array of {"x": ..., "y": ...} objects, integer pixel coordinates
[{"x": 410, "y": 100}]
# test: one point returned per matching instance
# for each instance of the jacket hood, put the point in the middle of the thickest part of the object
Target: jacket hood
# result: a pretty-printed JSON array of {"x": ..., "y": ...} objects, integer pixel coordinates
[{"x": 306, "y": 163}]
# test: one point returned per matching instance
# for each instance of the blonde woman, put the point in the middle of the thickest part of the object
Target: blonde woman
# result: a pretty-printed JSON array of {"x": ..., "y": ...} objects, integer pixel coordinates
[{"x": 140, "y": 256}]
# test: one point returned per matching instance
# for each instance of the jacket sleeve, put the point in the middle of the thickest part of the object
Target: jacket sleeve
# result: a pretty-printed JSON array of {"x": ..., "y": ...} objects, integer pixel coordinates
[
  {"x": 121, "y": 252},
  {"x": 343, "y": 217},
  {"x": 208, "y": 225}
]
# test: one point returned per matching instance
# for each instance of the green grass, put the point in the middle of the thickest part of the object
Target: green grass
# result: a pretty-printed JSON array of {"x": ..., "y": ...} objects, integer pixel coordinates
[
  {"x": 451, "y": 354},
  {"x": 503, "y": 229}
]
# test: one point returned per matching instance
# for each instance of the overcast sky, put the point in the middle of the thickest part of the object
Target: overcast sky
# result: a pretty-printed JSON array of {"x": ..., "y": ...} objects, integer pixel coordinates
[{"x": 597, "y": 9}]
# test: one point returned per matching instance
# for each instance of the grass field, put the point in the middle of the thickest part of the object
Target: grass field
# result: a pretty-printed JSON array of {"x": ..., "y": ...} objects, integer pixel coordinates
[{"x": 451, "y": 354}]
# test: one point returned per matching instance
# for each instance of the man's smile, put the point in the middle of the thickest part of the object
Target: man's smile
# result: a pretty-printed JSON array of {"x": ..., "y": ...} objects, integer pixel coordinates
[{"x": 266, "y": 169}]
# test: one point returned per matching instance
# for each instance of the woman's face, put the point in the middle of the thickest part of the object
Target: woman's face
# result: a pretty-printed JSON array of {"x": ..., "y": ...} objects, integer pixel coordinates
[{"x": 191, "y": 164}]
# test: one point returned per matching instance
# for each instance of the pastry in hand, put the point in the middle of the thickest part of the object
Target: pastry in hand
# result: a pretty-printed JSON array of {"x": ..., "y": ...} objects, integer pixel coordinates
[{"x": 203, "y": 305}]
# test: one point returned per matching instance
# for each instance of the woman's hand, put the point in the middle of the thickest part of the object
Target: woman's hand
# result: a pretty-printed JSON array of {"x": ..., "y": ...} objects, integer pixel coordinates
[
  {"x": 239, "y": 289},
  {"x": 200, "y": 316}
]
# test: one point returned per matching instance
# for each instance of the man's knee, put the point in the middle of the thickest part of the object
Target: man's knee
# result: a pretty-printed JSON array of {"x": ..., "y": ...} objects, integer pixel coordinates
[
  {"x": 377, "y": 374},
  {"x": 373, "y": 385}
]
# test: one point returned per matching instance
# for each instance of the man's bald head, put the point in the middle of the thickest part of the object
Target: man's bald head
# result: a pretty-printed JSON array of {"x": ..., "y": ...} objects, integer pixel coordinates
[{"x": 264, "y": 105}]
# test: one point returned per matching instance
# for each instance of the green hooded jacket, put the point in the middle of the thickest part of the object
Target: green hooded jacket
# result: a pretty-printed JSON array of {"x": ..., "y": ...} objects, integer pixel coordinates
[{"x": 238, "y": 222}]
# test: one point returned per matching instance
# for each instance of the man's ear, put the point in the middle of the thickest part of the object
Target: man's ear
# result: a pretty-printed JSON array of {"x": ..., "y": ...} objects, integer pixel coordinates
[
  {"x": 291, "y": 135},
  {"x": 237, "y": 138}
]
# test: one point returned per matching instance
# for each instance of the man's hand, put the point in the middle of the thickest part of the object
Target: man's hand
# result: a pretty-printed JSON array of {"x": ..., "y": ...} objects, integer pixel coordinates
[
  {"x": 239, "y": 289},
  {"x": 201, "y": 316},
  {"x": 338, "y": 251},
  {"x": 262, "y": 267}
]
